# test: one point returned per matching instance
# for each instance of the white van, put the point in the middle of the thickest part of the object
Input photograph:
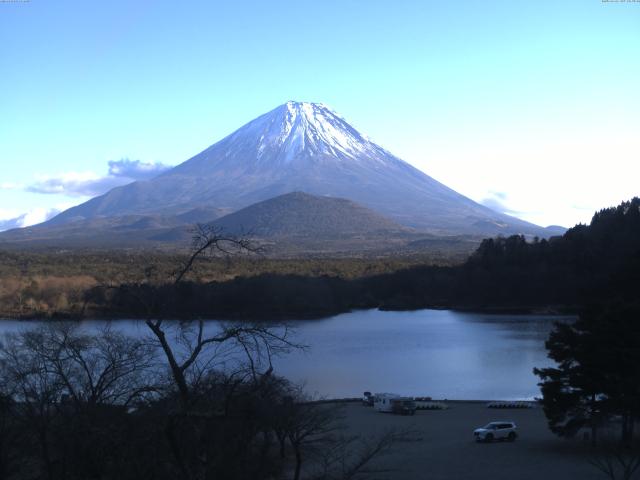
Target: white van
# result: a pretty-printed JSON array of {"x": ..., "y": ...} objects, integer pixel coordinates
[{"x": 393, "y": 403}]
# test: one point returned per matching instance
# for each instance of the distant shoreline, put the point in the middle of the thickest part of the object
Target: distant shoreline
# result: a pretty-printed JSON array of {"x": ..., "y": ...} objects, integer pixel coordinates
[
  {"x": 510, "y": 310},
  {"x": 532, "y": 401},
  {"x": 494, "y": 310}
]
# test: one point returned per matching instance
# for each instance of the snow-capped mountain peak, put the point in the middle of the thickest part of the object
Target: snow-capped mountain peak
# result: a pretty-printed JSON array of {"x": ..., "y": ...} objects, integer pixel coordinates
[
  {"x": 303, "y": 129},
  {"x": 304, "y": 147}
]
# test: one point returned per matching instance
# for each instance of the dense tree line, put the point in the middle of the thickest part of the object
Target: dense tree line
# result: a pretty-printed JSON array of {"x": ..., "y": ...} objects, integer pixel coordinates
[
  {"x": 45, "y": 285},
  {"x": 599, "y": 261},
  {"x": 587, "y": 264}
]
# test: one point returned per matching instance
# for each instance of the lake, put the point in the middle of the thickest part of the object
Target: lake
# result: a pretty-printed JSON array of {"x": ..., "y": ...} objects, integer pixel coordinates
[{"x": 437, "y": 353}]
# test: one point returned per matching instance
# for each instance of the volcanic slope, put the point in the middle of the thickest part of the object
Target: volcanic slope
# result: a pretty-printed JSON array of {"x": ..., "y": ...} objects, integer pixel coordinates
[
  {"x": 302, "y": 147},
  {"x": 299, "y": 214}
]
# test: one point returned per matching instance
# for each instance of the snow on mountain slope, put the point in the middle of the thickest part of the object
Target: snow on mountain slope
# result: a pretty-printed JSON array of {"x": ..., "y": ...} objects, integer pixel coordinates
[
  {"x": 304, "y": 147},
  {"x": 289, "y": 136},
  {"x": 306, "y": 128}
]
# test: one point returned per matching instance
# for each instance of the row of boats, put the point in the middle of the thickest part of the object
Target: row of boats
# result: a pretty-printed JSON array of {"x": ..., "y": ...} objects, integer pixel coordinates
[{"x": 394, "y": 403}]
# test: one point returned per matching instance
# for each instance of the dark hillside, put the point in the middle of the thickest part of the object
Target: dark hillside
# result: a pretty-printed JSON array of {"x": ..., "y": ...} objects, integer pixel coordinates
[{"x": 299, "y": 214}]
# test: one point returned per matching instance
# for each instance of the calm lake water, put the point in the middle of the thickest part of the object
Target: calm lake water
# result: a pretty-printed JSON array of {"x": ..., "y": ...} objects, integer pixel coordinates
[{"x": 437, "y": 353}]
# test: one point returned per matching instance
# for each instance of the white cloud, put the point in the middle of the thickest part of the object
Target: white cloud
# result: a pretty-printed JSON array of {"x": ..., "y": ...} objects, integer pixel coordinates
[
  {"x": 11, "y": 218},
  {"x": 540, "y": 207},
  {"x": 499, "y": 201},
  {"x": 135, "y": 169},
  {"x": 78, "y": 185},
  {"x": 6, "y": 213},
  {"x": 90, "y": 184},
  {"x": 10, "y": 186},
  {"x": 38, "y": 215},
  {"x": 11, "y": 223},
  {"x": 26, "y": 219},
  {"x": 73, "y": 184}
]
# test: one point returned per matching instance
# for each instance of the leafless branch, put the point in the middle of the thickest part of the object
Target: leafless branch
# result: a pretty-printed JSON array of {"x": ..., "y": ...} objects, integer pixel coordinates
[{"x": 209, "y": 239}]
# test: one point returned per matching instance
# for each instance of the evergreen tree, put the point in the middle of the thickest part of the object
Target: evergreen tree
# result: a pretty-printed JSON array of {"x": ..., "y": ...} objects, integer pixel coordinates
[{"x": 598, "y": 371}]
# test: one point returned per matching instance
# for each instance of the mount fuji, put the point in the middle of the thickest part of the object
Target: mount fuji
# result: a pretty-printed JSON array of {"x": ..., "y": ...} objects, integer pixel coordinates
[{"x": 298, "y": 147}]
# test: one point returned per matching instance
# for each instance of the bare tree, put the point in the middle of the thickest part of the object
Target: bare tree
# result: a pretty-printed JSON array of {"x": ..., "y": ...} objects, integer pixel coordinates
[
  {"x": 616, "y": 461},
  {"x": 29, "y": 382},
  {"x": 350, "y": 457},
  {"x": 316, "y": 433},
  {"x": 194, "y": 349},
  {"x": 106, "y": 367},
  {"x": 59, "y": 377},
  {"x": 310, "y": 427},
  {"x": 259, "y": 342},
  {"x": 9, "y": 437},
  {"x": 220, "y": 407}
]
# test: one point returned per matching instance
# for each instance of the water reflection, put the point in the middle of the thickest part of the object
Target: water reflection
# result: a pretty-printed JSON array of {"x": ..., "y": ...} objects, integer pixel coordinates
[
  {"x": 439, "y": 353},
  {"x": 443, "y": 354}
]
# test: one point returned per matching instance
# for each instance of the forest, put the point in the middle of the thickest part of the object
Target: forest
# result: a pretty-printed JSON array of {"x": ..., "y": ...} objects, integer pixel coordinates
[
  {"x": 587, "y": 264},
  {"x": 55, "y": 284}
]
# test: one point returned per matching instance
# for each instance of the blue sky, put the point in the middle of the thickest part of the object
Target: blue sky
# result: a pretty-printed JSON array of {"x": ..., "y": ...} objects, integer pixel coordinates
[{"x": 530, "y": 107}]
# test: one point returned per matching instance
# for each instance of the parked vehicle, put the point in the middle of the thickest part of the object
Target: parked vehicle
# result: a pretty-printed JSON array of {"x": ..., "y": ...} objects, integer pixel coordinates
[
  {"x": 496, "y": 431},
  {"x": 403, "y": 406},
  {"x": 392, "y": 403},
  {"x": 367, "y": 399}
]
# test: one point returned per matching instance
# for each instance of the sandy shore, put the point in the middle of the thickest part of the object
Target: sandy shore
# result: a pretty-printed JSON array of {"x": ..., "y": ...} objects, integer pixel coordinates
[{"x": 446, "y": 448}]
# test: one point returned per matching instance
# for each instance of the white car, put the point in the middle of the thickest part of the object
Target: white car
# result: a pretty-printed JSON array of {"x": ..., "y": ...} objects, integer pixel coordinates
[{"x": 496, "y": 431}]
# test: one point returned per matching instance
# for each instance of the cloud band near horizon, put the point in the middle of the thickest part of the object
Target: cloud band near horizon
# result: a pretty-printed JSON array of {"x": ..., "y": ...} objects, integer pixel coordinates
[
  {"x": 77, "y": 185},
  {"x": 89, "y": 184}
]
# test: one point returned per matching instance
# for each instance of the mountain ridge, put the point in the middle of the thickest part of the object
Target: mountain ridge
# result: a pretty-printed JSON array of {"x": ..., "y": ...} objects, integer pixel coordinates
[
  {"x": 306, "y": 147},
  {"x": 293, "y": 225}
]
